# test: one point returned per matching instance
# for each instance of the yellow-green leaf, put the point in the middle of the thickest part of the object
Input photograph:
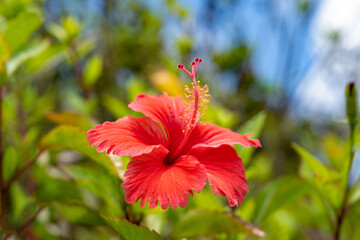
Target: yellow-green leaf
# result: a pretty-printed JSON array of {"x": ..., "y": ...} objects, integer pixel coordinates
[
  {"x": 129, "y": 231},
  {"x": 28, "y": 51},
  {"x": 314, "y": 163},
  {"x": 19, "y": 29},
  {"x": 253, "y": 126},
  {"x": 93, "y": 70},
  {"x": 202, "y": 223},
  {"x": 4, "y": 51},
  {"x": 73, "y": 138}
]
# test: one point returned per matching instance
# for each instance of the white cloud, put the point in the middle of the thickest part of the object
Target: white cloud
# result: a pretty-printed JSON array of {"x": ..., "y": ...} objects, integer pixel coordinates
[{"x": 322, "y": 90}]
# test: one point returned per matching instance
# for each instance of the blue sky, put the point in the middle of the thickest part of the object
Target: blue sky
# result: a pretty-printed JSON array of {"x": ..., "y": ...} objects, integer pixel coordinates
[{"x": 313, "y": 75}]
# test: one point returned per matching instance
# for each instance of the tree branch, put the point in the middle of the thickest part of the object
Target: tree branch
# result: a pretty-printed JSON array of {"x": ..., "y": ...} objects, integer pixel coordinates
[
  {"x": 25, "y": 224},
  {"x": 21, "y": 171}
]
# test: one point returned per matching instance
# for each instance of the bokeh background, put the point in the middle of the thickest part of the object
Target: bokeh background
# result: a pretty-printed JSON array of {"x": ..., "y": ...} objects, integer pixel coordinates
[{"x": 276, "y": 68}]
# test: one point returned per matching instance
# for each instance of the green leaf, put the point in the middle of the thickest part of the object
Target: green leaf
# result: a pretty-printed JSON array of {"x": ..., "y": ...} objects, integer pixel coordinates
[
  {"x": 70, "y": 118},
  {"x": 203, "y": 223},
  {"x": 29, "y": 51},
  {"x": 70, "y": 137},
  {"x": 253, "y": 126},
  {"x": 10, "y": 162},
  {"x": 48, "y": 59},
  {"x": 117, "y": 107},
  {"x": 135, "y": 86},
  {"x": 320, "y": 169},
  {"x": 326, "y": 181},
  {"x": 97, "y": 180},
  {"x": 79, "y": 214},
  {"x": 354, "y": 195},
  {"x": 4, "y": 50},
  {"x": 19, "y": 200},
  {"x": 72, "y": 27},
  {"x": 55, "y": 190},
  {"x": 20, "y": 28},
  {"x": 2, "y": 23},
  {"x": 207, "y": 200},
  {"x": 278, "y": 194},
  {"x": 129, "y": 231},
  {"x": 57, "y": 31},
  {"x": 93, "y": 70}
]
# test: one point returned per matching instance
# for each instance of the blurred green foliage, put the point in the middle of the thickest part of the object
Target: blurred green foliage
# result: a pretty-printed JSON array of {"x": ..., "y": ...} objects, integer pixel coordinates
[{"x": 59, "y": 78}]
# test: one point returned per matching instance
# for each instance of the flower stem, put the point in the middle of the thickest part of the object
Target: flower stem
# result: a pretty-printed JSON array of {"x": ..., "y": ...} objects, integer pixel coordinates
[
  {"x": 341, "y": 215},
  {"x": 2, "y": 182}
]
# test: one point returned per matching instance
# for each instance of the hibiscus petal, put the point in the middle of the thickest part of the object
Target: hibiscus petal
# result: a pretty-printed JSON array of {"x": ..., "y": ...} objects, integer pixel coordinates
[
  {"x": 165, "y": 110},
  {"x": 148, "y": 177},
  {"x": 225, "y": 172},
  {"x": 210, "y": 135},
  {"x": 127, "y": 136}
]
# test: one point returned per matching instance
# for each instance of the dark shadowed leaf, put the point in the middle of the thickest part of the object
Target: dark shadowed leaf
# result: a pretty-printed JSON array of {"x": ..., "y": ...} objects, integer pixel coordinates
[
  {"x": 52, "y": 189},
  {"x": 202, "y": 223},
  {"x": 79, "y": 214},
  {"x": 98, "y": 180}
]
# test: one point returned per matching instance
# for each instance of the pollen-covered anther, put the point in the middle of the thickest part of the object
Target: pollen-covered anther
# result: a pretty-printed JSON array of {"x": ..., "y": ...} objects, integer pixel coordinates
[{"x": 196, "y": 97}]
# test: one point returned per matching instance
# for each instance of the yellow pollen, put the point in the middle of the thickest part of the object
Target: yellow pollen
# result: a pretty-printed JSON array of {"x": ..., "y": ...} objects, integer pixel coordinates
[{"x": 195, "y": 106}]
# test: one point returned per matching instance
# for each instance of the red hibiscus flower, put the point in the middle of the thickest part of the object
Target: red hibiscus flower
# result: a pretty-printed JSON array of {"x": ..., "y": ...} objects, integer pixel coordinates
[{"x": 173, "y": 153}]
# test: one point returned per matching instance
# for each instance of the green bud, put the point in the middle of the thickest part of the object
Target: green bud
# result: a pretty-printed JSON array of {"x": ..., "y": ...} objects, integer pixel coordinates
[{"x": 351, "y": 103}]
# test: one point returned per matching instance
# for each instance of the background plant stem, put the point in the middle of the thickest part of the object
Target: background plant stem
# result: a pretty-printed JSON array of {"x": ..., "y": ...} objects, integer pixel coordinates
[
  {"x": 341, "y": 216},
  {"x": 2, "y": 183}
]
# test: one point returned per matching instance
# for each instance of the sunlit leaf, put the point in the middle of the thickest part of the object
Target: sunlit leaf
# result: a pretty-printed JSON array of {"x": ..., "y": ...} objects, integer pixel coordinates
[
  {"x": 70, "y": 118},
  {"x": 129, "y": 231},
  {"x": 30, "y": 50},
  {"x": 93, "y": 70},
  {"x": 48, "y": 59},
  {"x": 74, "y": 138},
  {"x": 221, "y": 116},
  {"x": 71, "y": 26},
  {"x": 167, "y": 81},
  {"x": 355, "y": 195},
  {"x": 253, "y": 126},
  {"x": 201, "y": 223},
  {"x": 2, "y": 23},
  {"x": 278, "y": 194},
  {"x": 314, "y": 163},
  {"x": 117, "y": 107},
  {"x": 207, "y": 200},
  {"x": 4, "y": 50},
  {"x": 135, "y": 86},
  {"x": 19, "y": 29},
  {"x": 57, "y": 31}
]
